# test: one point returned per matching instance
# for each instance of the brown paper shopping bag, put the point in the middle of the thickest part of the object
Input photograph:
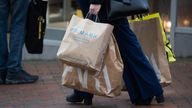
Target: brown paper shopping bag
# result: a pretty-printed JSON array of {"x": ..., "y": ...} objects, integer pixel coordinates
[
  {"x": 150, "y": 36},
  {"x": 85, "y": 43},
  {"x": 108, "y": 82}
]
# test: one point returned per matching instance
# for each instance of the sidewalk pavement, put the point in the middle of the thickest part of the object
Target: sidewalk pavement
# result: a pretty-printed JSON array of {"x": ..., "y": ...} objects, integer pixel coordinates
[{"x": 49, "y": 93}]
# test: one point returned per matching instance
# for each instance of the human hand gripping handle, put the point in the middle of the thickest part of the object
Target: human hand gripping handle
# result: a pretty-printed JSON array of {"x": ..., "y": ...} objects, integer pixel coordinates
[
  {"x": 93, "y": 11},
  {"x": 94, "y": 8}
]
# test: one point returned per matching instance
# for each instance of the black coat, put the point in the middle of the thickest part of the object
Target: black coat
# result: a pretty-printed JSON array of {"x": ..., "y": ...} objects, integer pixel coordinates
[{"x": 96, "y": 1}]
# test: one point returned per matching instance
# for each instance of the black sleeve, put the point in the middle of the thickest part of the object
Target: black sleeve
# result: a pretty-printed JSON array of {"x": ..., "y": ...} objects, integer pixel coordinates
[{"x": 96, "y": 1}]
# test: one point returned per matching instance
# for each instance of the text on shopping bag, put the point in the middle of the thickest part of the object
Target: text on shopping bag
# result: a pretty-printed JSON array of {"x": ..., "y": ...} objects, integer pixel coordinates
[{"x": 83, "y": 77}]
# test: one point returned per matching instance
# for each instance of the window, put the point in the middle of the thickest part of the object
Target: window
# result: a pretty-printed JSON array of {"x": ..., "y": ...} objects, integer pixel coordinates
[
  {"x": 60, "y": 12},
  {"x": 184, "y": 16}
]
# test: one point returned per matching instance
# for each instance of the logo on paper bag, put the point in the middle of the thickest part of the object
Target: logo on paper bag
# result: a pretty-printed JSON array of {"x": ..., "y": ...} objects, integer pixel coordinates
[
  {"x": 82, "y": 35},
  {"x": 83, "y": 78}
]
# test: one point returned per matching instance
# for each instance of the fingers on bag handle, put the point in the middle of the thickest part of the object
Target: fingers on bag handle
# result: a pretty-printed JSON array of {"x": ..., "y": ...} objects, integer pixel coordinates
[{"x": 93, "y": 17}]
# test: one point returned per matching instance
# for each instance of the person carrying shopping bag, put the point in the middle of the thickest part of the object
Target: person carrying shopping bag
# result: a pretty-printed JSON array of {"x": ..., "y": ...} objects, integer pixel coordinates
[{"x": 138, "y": 75}]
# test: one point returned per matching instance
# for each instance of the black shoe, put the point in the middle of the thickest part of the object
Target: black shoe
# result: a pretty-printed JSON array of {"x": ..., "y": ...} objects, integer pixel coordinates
[
  {"x": 74, "y": 98},
  {"x": 87, "y": 101},
  {"x": 160, "y": 98},
  {"x": 20, "y": 77},
  {"x": 2, "y": 77},
  {"x": 144, "y": 102}
]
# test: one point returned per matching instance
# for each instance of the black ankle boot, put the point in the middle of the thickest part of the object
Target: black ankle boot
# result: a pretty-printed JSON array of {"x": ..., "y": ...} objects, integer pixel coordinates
[
  {"x": 160, "y": 98},
  {"x": 74, "y": 98},
  {"x": 88, "y": 101},
  {"x": 144, "y": 102}
]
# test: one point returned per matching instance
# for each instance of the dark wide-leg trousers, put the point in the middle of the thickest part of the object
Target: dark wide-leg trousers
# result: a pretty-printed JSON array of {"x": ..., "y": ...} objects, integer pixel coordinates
[{"x": 138, "y": 75}]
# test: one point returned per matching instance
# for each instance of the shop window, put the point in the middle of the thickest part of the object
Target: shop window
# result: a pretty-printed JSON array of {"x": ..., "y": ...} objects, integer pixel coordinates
[
  {"x": 60, "y": 12},
  {"x": 56, "y": 10},
  {"x": 184, "y": 16}
]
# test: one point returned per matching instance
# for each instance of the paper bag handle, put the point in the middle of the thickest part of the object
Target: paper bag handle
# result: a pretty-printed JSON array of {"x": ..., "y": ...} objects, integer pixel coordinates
[{"x": 90, "y": 16}]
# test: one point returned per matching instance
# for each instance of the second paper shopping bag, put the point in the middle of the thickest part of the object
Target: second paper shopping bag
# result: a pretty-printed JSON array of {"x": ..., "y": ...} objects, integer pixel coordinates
[
  {"x": 84, "y": 43},
  {"x": 149, "y": 34},
  {"x": 107, "y": 82}
]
